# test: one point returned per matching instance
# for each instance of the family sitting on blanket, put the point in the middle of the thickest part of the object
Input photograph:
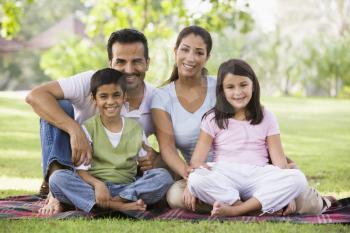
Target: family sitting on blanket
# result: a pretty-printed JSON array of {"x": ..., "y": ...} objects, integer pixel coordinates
[{"x": 177, "y": 110}]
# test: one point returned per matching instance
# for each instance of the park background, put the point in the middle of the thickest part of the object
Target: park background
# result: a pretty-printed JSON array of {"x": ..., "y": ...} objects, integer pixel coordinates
[{"x": 300, "y": 50}]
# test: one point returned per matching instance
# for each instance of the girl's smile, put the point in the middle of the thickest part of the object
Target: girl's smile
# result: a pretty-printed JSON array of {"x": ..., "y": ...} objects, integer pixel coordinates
[{"x": 238, "y": 91}]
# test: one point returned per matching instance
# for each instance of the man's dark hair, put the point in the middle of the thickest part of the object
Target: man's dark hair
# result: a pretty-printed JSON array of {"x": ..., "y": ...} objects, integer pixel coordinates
[{"x": 127, "y": 36}]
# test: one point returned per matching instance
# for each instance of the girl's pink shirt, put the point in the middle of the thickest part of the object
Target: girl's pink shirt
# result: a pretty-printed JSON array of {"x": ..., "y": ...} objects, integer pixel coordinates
[{"x": 241, "y": 142}]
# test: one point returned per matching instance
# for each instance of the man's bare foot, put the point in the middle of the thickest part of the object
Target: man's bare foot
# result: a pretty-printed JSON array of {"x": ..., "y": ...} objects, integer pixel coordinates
[
  {"x": 328, "y": 201},
  {"x": 51, "y": 206},
  {"x": 119, "y": 205}
]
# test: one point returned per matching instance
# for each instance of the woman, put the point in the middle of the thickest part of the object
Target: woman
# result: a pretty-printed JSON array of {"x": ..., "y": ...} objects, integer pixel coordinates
[
  {"x": 178, "y": 107},
  {"x": 177, "y": 110}
]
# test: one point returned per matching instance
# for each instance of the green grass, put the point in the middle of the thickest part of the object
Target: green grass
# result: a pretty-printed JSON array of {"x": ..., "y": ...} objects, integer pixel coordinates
[
  {"x": 315, "y": 133},
  {"x": 119, "y": 225}
]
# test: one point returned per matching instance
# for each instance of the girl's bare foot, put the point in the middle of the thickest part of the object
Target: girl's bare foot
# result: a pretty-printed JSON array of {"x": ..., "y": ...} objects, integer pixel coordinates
[{"x": 51, "y": 206}]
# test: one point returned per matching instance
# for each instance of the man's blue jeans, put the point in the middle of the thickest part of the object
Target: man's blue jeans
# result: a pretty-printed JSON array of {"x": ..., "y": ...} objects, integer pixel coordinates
[
  {"x": 55, "y": 143},
  {"x": 68, "y": 187}
]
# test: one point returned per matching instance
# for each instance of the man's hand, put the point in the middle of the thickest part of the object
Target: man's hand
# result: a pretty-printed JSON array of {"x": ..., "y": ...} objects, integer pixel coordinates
[
  {"x": 147, "y": 162},
  {"x": 102, "y": 195},
  {"x": 189, "y": 200},
  {"x": 81, "y": 149}
]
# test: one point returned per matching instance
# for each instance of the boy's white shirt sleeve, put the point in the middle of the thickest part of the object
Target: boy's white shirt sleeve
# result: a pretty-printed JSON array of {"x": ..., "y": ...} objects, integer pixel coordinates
[
  {"x": 143, "y": 152},
  {"x": 83, "y": 166}
]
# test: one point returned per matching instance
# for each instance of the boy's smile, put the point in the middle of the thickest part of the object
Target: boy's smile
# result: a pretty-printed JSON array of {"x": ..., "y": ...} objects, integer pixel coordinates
[{"x": 109, "y": 100}]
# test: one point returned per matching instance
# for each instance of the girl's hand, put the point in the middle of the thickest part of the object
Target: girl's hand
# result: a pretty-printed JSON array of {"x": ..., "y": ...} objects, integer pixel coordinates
[
  {"x": 102, "y": 195},
  {"x": 189, "y": 200}
]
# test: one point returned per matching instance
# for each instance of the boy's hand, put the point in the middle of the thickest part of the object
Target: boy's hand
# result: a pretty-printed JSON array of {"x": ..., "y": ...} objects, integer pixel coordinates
[
  {"x": 102, "y": 195},
  {"x": 147, "y": 162}
]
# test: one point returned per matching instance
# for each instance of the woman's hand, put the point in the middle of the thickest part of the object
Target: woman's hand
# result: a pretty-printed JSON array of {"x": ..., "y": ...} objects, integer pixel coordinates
[
  {"x": 291, "y": 208},
  {"x": 189, "y": 200}
]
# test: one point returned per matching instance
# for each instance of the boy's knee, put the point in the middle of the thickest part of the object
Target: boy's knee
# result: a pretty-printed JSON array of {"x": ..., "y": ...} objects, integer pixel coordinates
[
  {"x": 163, "y": 176},
  {"x": 57, "y": 179}
]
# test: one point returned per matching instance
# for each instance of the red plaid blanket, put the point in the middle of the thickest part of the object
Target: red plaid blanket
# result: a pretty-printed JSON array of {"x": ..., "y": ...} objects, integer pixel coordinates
[{"x": 19, "y": 207}]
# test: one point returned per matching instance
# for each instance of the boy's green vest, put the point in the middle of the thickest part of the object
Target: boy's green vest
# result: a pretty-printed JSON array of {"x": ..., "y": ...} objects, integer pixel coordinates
[{"x": 116, "y": 165}]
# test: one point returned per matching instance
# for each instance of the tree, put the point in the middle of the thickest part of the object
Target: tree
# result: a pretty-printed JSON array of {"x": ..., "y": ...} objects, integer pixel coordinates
[
  {"x": 159, "y": 20},
  {"x": 10, "y": 17}
]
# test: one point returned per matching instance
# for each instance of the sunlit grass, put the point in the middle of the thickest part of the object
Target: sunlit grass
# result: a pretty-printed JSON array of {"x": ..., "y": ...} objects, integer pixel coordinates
[{"x": 315, "y": 133}]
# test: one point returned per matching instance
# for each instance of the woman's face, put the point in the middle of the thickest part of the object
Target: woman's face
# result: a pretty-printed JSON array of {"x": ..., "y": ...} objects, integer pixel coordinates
[{"x": 191, "y": 56}]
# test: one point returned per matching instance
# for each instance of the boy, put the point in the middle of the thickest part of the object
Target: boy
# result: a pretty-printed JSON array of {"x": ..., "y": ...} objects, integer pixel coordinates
[{"x": 110, "y": 181}]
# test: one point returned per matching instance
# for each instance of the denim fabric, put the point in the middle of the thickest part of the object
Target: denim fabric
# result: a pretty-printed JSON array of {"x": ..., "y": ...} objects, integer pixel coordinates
[
  {"x": 69, "y": 188},
  {"x": 55, "y": 143}
]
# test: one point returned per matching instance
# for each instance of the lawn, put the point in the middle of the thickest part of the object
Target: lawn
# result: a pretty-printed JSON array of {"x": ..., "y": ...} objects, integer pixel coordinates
[{"x": 315, "y": 134}]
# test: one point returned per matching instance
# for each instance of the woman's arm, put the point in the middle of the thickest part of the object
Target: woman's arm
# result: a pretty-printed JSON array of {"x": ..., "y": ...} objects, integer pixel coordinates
[
  {"x": 201, "y": 150},
  {"x": 276, "y": 151},
  {"x": 166, "y": 140}
]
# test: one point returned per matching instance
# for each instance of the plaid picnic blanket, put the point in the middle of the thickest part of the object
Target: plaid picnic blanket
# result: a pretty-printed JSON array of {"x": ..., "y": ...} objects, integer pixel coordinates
[{"x": 19, "y": 207}]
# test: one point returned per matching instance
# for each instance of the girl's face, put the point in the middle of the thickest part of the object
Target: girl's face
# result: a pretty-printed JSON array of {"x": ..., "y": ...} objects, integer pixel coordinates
[
  {"x": 191, "y": 56},
  {"x": 238, "y": 91},
  {"x": 109, "y": 99}
]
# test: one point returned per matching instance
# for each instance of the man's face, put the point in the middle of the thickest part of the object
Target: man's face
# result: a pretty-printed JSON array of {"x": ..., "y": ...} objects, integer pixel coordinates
[{"x": 129, "y": 59}]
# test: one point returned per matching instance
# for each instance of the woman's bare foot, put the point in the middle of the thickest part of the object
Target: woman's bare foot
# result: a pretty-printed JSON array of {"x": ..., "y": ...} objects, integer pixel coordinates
[
  {"x": 118, "y": 204},
  {"x": 51, "y": 206},
  {"x": 220, "y": 209}
]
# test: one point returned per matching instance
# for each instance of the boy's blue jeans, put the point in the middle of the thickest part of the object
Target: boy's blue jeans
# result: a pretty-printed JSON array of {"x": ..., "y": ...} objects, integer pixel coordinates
[
  {"x": 69, "y": 188},
  {"x": 55, "y": 143}
]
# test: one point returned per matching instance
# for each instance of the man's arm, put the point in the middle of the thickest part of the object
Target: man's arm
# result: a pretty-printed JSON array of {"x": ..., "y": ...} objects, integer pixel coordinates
[{"x": 44, "y": 101}]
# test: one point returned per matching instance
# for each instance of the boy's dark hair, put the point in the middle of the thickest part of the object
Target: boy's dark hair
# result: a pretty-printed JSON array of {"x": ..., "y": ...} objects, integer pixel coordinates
[
  {"x": 127, "y": 36},
  {"x": 197, "y": 31},
  {"x": 106, "y": 76},
  {"x": 223, "y": 109}
]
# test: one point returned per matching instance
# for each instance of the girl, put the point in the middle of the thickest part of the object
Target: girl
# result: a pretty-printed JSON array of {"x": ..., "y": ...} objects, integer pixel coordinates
[{"x": 244, "y": 136}]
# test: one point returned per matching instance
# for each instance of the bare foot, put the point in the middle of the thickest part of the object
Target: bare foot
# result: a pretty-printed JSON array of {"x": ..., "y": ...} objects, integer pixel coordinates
[
  {"x": 51, "y": 206},
  {"x": 220, "y": 209},
  {"x": 291, "y": 208},
  {"x": 332, "y": 199},
  {"x": 119, "y": 205},
  {"x": 328, "y": 201}
]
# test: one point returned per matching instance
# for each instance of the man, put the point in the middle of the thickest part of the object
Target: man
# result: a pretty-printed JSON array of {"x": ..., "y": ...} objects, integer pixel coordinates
[{"x": 63, "y": 141}]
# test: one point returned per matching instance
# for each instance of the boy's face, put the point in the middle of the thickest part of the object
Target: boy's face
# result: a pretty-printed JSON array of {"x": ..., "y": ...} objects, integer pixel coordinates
[
  {"x": 129, "y": 58},
  {"x": 109, "y": 99}
]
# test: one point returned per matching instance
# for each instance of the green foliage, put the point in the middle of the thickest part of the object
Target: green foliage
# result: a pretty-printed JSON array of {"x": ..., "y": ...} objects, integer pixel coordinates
[
  {"x": 159, "y": 20},
  {"x": 10, "y": 18},
  {"x": 72, "y": 56},
  {"x": 329, "y": 63}
]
